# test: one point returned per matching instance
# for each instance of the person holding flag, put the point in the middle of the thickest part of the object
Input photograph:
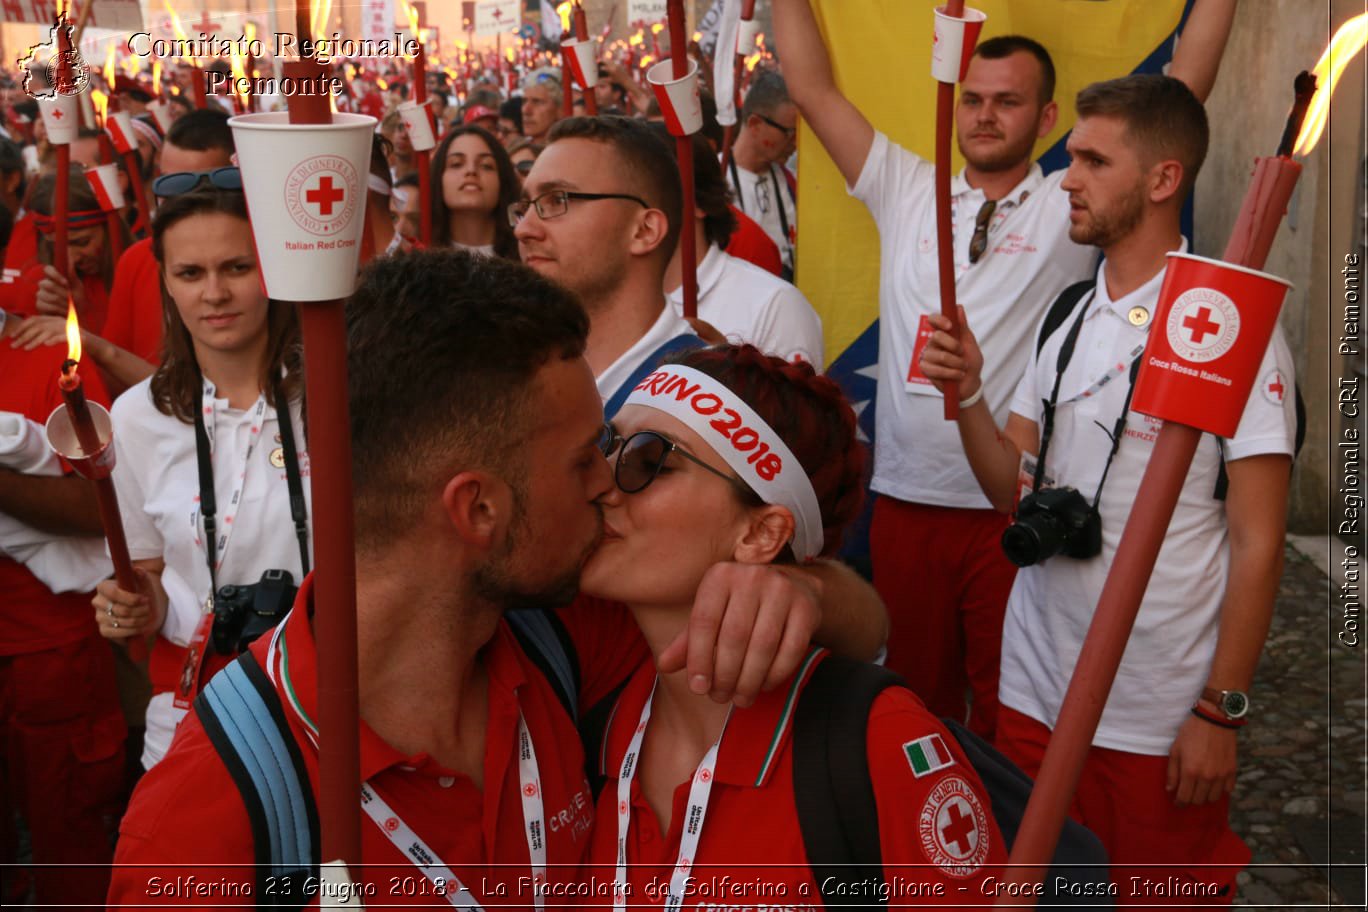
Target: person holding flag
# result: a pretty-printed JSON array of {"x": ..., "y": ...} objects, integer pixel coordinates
[{"x": 934, "y": 537}]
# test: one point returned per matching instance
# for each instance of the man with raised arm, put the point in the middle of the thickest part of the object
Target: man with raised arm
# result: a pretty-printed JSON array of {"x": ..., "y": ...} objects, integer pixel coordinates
[{"x": 935, "y": 538}]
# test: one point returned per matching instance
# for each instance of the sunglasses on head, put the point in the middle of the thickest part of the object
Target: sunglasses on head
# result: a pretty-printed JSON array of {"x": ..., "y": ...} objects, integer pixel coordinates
[
  {"x": 641, "y": 458},
  {"x": 178, "y": 182}
]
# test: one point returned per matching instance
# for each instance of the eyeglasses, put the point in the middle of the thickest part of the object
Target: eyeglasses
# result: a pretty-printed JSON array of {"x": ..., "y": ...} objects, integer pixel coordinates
[
  {"x": 178, "y": 182},
  {"x": 790, "y": 132},
  {"x": 555, "y": 203},
  {"x": 979, "y": 242},
  {"x": 641, "y": 457}
]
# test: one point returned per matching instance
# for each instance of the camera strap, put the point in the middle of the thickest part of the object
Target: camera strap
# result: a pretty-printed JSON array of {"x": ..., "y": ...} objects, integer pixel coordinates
[{"x": 1066, "y": 351}]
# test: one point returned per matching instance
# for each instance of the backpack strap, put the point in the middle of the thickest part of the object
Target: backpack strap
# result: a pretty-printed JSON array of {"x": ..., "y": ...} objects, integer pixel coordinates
[
  {"x": 243, "y": 717},
  {"x": 1059, "y": 312},
  {"x": 837, "y": 811},
  {"x": 547, "y": 643},
  {"x": 648, "y": 364}
]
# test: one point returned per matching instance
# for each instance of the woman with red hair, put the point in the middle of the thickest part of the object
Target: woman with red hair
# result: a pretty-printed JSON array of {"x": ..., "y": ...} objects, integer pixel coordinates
[{"x": 728, "y": 454}]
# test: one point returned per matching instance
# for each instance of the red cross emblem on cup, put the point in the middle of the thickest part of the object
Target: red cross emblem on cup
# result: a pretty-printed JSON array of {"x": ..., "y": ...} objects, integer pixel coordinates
[{"x": 321, "y": 194}]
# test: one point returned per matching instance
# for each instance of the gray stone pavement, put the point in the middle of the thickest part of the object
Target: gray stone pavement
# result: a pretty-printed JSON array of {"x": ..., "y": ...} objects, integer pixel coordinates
[{"x": 1299, "y": 799}]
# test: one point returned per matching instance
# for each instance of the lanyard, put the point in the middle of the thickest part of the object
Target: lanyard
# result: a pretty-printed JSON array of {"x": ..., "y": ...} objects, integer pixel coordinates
[
  {"x": 216, "y": 543},
  {"x": 699, "y": 793},
  {"x": 778, "y": 196},
  {"x": 402, "y": 835}
]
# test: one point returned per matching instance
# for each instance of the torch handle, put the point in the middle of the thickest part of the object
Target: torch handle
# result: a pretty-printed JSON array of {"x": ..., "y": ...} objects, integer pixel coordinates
[
  {"x": 688, "y": 244},
  {"x": 112, "y": 217},
  {"x": 112, "y": 521},
  {"x": 945, "y": 233},
  {"x": 581, "y": 22},
  {"x": 61, "y": 207},
  {"x": 422, "y": 161},
  {"x": 140, "y": 226}
]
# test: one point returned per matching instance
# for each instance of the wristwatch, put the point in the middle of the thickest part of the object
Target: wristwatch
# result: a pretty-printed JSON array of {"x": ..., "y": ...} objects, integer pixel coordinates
[{"x": 1233, "y": 703}]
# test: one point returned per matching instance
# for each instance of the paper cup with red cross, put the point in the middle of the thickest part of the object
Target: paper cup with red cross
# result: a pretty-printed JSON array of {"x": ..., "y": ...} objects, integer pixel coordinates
[
  {"x": 119, "y": 126},
  {"x": 161, "y": 114},
  {"x": 952, "y": 43},
  {"x": 61, "y": 117},
  {"x": 417, "y": 120},
  {"x": 1206, "y": 342},
  {"x": 678, "y": 97},
  {"x": 104, "y": 181},
  {"x": 65, "y": 442},
  {"x": 306, "y": 193},
  {"x": 582, "y": 57}
]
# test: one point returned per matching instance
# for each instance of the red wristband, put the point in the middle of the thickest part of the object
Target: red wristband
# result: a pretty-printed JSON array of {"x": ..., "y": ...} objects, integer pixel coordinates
[{"x": 1214, "y": 719}]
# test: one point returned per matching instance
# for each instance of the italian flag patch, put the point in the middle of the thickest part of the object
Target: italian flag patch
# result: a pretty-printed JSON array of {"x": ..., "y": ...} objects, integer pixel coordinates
[{"x": 927, "y": 755}]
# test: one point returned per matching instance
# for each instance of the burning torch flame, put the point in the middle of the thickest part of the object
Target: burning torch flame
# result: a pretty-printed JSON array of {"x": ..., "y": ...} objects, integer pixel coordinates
[
  {"x": 382, "y": 85},
  {"x": 100, "y": 102},
  {"x": 657, "y": 28},
  {"x": 564, "y": 10},
  {"x": 156, "y": 77},
  {"x": 109, "y": 71},
  {"x": 1348, "y": 41},
  {"x": 752, "y": 60},
  {"x": 73, "y": 333},
  {"x": 176, "y": 24},
  {"x": 320, "y": 11},
  {"x": 637, "y": 40}
]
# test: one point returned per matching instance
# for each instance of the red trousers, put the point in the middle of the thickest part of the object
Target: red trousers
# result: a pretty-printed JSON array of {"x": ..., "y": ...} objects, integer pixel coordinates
[
  {"x": 945, "y": 580},
  {"x": 62, "y": 767},
  {"x": 1161, "y": 854}
]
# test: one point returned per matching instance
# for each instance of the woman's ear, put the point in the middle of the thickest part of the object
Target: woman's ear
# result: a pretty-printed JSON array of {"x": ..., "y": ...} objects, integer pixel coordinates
[
  {"x": 479, "y": 507},
  {"x": 769, "y": 531}
]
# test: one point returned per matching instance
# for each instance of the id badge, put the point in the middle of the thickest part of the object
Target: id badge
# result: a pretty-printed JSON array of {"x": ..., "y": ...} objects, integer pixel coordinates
[
  {"x": 188, "y": 685},
  {"x": 917, "y": 381},
  {"x": 1026, "y": 478}
]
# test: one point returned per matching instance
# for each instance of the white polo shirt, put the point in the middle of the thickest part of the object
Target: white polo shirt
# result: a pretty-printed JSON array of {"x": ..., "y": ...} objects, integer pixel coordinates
[
  {"x": 918, "y": 456},
  {"x": 157, "y": 481},
  {"x": 749, "y": 304},
  {"x": 1167, "y": 660},
  {"x": 668, "y": 325}
]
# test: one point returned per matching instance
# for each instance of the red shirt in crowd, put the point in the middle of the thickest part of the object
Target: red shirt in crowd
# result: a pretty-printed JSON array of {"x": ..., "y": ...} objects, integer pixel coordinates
[
  {"x": 749, "y": 242},
  {"x": 135, "y": 303},
  {"x": 187, "y": 811},
  {"x": 939, "y": 841},
  {"x": 32, "y": 618}
]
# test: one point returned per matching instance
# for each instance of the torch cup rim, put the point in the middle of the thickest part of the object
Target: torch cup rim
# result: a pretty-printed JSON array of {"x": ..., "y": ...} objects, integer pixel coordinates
[{"x": 1176, "y": 254}]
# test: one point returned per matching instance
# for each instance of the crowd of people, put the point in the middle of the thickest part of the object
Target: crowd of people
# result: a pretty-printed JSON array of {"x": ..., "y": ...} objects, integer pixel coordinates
[{"x": 596, "y": 572}]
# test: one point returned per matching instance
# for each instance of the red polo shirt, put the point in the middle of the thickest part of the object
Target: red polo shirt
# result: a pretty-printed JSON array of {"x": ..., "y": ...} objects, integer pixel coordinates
[
  {"x": 936, "y": 829},
  {"x": 135, "y": 303},
  {"x": 187, "y": 811},
  {"x": 32, "y": 618}
]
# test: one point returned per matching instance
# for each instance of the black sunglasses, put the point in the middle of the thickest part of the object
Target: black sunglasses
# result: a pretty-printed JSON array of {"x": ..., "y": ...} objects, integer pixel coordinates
[
  {"x": 178, "y": 182},
  {"x": 641, "y": 458},
  {"x": 790, "y": 132}
]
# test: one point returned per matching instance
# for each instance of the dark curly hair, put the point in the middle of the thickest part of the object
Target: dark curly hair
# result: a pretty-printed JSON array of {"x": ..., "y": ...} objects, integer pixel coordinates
[{"x": 810, "y": 414}]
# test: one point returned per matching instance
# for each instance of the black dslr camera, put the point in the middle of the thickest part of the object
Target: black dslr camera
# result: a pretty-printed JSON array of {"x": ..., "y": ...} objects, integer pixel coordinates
[
  {"x": 243, "y": 613},
  {"x": 1050, "y": 521}
]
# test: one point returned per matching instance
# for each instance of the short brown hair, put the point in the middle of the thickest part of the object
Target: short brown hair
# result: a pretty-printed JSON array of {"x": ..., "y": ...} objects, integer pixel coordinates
[
  {"x": 1162, "y": 117},
  {"x": 650, "y": 168},
  {"x": 443, "y": 347}
]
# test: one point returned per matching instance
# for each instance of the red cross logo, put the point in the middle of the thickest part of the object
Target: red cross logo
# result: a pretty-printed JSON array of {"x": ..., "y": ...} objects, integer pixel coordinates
[
  {"x": 325, "y": 194},
  {"x": 205, "y": 25},
  {"x": 530, "y": 790},
  {"x": 1200, "y": 325},
  {"x": 704, "y": 775},
  {"x": 57, "y": 114},
  {"x": 1276, "y": 387},
  {"x": 391, "y": 824},
  {"x": 958, "y": 827}
]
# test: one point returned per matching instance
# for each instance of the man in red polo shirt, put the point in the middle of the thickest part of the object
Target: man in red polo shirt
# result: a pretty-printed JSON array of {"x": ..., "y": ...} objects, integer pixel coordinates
[
  {"x": 476, "y": 496},
  {"x": 61, "y": 728}
]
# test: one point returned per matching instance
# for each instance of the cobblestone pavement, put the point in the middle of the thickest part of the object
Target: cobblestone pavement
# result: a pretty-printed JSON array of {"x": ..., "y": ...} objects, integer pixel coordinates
[{"x": 1299, "y": 799}]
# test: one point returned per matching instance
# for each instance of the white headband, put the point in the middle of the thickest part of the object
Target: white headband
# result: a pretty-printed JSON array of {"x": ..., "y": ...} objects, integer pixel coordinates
[
  {"x": 742, "y": 438},
  {"x": 377, "y": 183}
]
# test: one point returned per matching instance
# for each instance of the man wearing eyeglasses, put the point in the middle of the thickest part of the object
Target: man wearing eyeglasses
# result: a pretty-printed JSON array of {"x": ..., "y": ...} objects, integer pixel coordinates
[
  {"x": 934, "y": 539},
  {"x": 756, "y": 174}
]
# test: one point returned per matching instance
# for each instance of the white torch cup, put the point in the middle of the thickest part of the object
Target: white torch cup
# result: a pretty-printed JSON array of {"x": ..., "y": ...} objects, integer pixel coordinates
[
  {"x": 61, "y": 117},
  {"x": 119, "y": 126},
  {"x": 582, "y": 56},
  {"x": 161, "y": 113},
  {"x": 104, "y": 181},
  {"x": 418, "y": 123},
  {"x": 746, "y": 35},
  {"x": 678, "y": 98},
  {"x": 954, "y": 42},
  {"x": 306, "y": 193}
]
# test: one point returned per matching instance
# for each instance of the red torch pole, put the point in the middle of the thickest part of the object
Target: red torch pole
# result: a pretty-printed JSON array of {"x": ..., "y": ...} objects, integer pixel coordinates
[
  {"x": 581, "y": 22},
  {"x": 945, "y": 260},
  {"x": 567, "y": 80},
  {"x": 423, "y": 159},
  {"x": 1264, "y": 205},
  {"x": 325, "y": 363},
  {"x": 688, "y": 245},
  {"x": 141, "y": 223},
  {"x": 113, "y": 221}
]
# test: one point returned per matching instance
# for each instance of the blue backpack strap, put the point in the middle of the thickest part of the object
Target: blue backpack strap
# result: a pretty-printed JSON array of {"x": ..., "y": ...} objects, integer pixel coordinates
[
  {"x": 243, "y": 717},
  {"x": 648, "y": 364},
  {"x": 547, "y": 643}
]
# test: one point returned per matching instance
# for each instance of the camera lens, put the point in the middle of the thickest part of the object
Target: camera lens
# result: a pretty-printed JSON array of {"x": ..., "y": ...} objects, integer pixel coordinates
[{"x": 1024, "y": 545}]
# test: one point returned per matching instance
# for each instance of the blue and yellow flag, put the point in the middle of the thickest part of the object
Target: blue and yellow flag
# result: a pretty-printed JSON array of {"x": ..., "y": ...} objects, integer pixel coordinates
[{"x": 881, "y": 55}]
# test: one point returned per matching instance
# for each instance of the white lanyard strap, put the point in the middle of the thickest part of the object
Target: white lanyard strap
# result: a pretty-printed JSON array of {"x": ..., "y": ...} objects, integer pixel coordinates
[
  {"x": 229, "y": 514},
  {"x": 434, "y": 869},
  {"x": 699, "y": 792}
]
